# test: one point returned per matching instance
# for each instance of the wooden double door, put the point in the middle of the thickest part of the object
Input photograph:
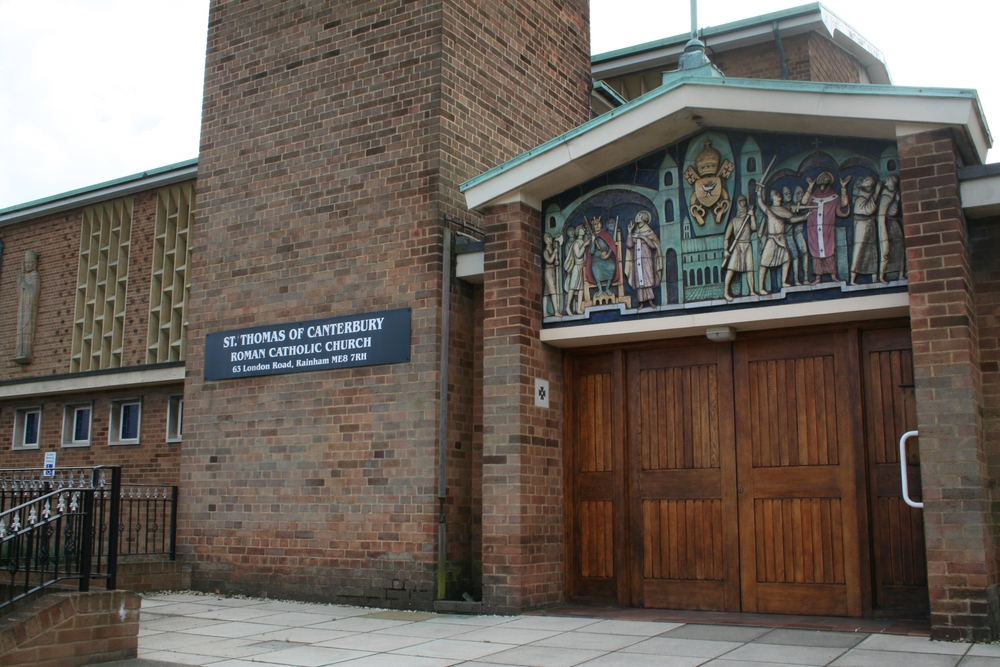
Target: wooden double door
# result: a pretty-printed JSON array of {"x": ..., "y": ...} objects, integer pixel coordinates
[{"x": 736, "y": 477}]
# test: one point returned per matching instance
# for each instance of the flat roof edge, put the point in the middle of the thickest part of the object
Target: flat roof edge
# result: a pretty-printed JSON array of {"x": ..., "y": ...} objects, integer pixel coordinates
[
  {"x": 709, "y": 31},
  {"x": 172, "y": 173}
]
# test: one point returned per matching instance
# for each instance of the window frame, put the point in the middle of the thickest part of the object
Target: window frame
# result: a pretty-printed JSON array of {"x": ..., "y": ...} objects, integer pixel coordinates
[
  {"x": 115, "y": 423},
  {"x": 175, "y": 418},
  {"x": 20, "y": 421},
  {"x": 69, "y": 424}
]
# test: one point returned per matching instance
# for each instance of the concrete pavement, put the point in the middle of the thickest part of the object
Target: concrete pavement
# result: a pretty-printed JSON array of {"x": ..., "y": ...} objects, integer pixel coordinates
[{"x": 192, "y": 629}]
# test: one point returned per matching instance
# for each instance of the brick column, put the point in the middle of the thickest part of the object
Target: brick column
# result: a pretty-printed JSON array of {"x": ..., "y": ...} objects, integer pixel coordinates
[
  {"x": 961, "y": 563},
  {"x": 523, "y": 562}
]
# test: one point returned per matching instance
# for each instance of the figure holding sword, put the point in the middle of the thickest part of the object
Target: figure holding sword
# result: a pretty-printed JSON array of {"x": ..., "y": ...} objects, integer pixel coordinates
[{"x": 739, "y": 252}]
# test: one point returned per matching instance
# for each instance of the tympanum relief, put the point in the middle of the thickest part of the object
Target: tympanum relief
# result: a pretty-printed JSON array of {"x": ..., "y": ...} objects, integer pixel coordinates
[{"x": 726, "y": 219}]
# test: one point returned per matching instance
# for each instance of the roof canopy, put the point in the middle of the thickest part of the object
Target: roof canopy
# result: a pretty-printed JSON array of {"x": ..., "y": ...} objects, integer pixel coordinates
[{"x": 688, "y": 103}]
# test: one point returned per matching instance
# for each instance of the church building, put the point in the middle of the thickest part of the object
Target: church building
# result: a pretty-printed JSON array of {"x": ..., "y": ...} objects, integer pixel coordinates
[{"x": 448, "y": 314}]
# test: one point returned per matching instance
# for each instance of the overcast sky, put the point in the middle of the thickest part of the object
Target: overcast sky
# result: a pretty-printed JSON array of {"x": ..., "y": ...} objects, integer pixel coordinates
[{"x": 91, "y": 90}]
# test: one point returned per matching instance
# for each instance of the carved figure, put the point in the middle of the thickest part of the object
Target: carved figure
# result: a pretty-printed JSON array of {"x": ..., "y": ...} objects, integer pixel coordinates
[
  {"x": 891, "y": 231},
  {"x": 707, "y": 179},
  {"x": 739, "y": 252},
  {"x": 602, "y": 258},
  {"x": 551, "y": 257},
  {"x": 866, "y": 259},
  {"x": 642, "y": 258},
  {"x": 795, "y": 235},
  {"x": 774, "y": 251},
  {"x": 821, "y": 226},
  {"x": 574, "y": 264},
  {"x": 29, "y": 285}
]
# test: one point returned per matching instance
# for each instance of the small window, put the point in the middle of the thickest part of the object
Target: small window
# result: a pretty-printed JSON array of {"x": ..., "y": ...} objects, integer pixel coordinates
[
  {"x": 27, "y": 428},
  {"x": 175, "y": 418},
  {"x": 77, "y": 425},
  {"x": 125, "y": 422},
  {"x": 668, "y": 179},
  {"x": 751, "y": 164}
]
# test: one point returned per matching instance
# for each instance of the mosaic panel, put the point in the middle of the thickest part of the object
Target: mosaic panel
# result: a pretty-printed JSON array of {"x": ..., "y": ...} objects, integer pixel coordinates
[{"x": 725, "y": 219}]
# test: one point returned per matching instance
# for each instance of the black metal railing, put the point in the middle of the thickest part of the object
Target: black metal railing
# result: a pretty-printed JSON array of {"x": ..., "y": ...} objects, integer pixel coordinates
[
  {"x": 75, "y": 523},
  {"x": 148, "y": 521},
  {"x": 54, "y": 529}
]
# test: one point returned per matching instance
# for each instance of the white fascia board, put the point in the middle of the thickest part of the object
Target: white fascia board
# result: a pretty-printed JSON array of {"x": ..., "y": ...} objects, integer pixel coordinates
[
  {"x": 685, "y": 110},
  {"x": 97, "y": 382},
  {"x": 981, "y": 196},
  {"x": 111, "y": 192},
  {"x": 853, "y": 309}
]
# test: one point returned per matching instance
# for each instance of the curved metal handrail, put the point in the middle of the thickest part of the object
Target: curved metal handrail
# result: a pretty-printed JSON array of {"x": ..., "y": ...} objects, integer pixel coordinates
[{"x": 902, "y": 469}]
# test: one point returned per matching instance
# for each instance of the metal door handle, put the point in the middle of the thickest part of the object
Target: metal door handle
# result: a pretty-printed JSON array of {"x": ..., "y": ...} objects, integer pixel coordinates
[{"x": 902, "y": 469}]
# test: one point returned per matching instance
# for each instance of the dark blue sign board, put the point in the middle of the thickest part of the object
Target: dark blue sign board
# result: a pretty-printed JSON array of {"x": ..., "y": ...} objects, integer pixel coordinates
[{"x": 338, "y": 342}]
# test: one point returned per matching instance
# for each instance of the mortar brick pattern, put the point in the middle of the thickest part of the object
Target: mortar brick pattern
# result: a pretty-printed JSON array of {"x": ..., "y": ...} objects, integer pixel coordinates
[
  {"x": 961, "y": 557},
  {"x": 523, "y": 558},
  {"x": 152, "y": 461},
  {"x": 70, "y": 629},
  {"x": 334, "y": 138}
]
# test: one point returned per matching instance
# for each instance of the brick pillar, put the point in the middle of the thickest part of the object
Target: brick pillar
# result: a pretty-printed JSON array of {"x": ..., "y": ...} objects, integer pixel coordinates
[
  {"x": 523, "y": 561},
  {"x": 961, "y": 563}
]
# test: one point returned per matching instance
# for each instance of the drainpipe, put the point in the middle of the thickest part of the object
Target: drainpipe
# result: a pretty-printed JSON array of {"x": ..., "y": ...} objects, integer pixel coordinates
[
  {"x": 443, "y": 431},
  {"x": 781, "y": 50}
]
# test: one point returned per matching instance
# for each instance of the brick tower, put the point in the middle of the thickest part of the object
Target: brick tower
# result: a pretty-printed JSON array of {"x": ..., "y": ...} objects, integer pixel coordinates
[{"x": 334, "y": 137}]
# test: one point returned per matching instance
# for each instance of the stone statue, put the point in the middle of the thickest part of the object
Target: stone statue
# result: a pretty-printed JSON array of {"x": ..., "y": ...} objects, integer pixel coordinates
[
  {"x": 774, "y": 252},
  {"x": 642, "y": 259},
  {"x": 795, "y": 235},
  {"x": 575, "y": 264},
  {"x": 825, "y": 206},
  {"x": 866, "y": 259},
  {"x": 552, "y": 292},
  {"x": 602, "y": 262},
  {"x": 29, "y": 284},
  {"x": 739, "y": 252},
  {"x": 890, "y": 229}
]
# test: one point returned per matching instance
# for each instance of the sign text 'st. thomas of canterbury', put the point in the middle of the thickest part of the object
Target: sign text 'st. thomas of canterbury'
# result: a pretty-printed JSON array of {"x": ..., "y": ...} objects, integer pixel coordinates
[{"x": 336, "y": 342}]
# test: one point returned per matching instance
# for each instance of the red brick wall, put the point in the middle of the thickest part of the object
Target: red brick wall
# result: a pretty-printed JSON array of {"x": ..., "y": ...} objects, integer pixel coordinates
[
  {"x": 152, "y": 461},
  {"x": 333, "y": 139},
  {"x": 523, "y": 559},
  {"x": 70, "y": 629},
  {"x": 153, "y": 575},
  {"x": 984, "y": 236},
  {"x": 56, "y": 239},
  {"x": 809, "y": 57},
  {"x": 515, "y": 75},
  {"x": 829, "y": 62},
  {"x": 961, "y": 558}
]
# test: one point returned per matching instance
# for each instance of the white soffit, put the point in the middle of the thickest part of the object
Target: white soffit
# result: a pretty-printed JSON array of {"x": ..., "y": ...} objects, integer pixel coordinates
[
  {"x": 746, "y": 319},
  {"x": 666, "y": 116}
]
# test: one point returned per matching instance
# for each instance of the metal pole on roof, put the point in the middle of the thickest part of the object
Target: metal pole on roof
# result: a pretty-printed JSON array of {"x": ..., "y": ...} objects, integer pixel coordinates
[{"x": 694, "y": 19}]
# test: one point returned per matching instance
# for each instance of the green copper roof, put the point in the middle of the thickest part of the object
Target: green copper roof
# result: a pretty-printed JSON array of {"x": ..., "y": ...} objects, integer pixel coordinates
[
  {"x": 101, "y": 186},
  {"x": 680, "y": 79},
  {"x": 708, "y": 32}
]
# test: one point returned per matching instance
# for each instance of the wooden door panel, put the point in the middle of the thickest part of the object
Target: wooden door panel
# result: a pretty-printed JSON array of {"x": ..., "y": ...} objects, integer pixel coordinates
[
  {"x": 597, "y": 480},
  {"x": 900, "y": 566},
  {"x": 682, "y": 476},
  {"x": 797, "y": 472}
]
